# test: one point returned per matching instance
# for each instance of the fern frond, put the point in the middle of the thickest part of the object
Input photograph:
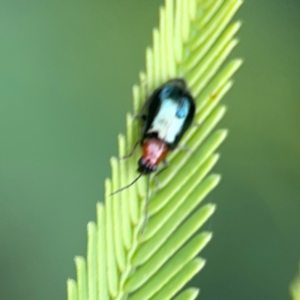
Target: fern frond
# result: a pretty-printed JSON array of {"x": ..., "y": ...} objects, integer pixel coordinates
[
  {"x": 295, "y": 287},
  {"x": 193, "y": 40}
]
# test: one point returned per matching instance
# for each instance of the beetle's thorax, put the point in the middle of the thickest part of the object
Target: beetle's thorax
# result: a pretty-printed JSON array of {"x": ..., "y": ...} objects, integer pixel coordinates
[{"x": 154, "y": 151}]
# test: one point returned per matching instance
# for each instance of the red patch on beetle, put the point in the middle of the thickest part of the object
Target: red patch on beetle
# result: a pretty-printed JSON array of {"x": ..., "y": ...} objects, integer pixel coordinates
[{"x": 154, "y": 151}]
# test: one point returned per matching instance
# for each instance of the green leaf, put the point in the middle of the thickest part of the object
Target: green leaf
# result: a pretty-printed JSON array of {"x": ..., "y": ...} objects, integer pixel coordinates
[
  {"x": 72, "y": 289},
  {"x": 188, "y": 294},
  {"x": 295, "y": 287},
  {"x": 193, "y": 40}
]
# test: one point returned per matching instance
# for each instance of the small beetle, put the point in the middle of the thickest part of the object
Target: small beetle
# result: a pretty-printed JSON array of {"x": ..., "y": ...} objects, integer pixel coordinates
[
  {"x": 170, "y": 111},
  {"x": 166, "y": 116}
]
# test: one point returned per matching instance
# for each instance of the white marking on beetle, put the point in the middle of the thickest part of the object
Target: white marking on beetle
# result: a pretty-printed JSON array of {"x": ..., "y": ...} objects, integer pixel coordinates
[{"x": 166, "y": 123}]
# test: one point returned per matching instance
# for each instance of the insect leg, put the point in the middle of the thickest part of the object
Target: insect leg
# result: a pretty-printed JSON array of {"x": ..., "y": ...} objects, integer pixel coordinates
[
  {"x": 196, "y": 124},
  {"x": 144, "y": 84},
  {"x": 156, "y": 180},
  {"x": 141, "y": 115},
  {"x": 184, "y": 148},
  {"x": 132, "y": 150},
  {"x": 146, "y": 206}
]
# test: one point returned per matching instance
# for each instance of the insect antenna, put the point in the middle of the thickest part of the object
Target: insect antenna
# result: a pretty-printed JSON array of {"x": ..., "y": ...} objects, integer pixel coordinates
[
  {"x": 146, "y": 205},
  {"x": 127, "y": 186}
]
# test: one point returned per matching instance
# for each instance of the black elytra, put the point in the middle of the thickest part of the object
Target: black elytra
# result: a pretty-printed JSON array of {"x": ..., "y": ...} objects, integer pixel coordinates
[{"x": 177, "y": 91}]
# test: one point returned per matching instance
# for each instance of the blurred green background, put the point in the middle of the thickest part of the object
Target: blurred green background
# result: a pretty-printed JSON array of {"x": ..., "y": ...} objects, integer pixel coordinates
[{"x": 66, "y": 72}]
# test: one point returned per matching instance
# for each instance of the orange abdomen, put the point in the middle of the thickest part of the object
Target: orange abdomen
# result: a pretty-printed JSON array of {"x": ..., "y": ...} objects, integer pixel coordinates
[{"x": 154, "y": 151}]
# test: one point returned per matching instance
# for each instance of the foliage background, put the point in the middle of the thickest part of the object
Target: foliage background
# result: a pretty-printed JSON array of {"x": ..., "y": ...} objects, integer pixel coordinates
[{"x": 66, "y": 71}]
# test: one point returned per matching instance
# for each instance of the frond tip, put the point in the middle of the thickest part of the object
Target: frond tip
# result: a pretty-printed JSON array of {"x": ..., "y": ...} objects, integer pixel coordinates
[
  {"x": 193, "y": 40},
  {"x": 295, "y": 287}
]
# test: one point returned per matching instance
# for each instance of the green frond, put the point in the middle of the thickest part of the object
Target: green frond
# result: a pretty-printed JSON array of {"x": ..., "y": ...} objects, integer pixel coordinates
[
  {"x": 188, "y": 294},
  {"x": 193, "y": 40},
  {"x": 295, "y": 287}
]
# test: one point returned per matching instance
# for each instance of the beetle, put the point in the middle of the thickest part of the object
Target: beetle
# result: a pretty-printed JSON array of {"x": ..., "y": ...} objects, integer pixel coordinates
[{"x": 165, "y": 116}]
